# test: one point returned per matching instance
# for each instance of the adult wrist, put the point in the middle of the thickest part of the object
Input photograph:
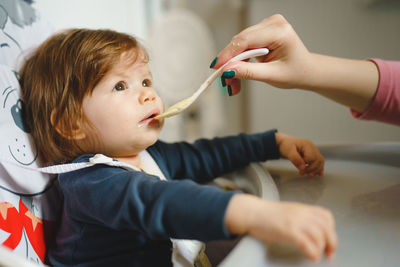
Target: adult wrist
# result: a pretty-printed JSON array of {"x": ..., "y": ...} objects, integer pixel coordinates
[{"x": 312, "y": 73}]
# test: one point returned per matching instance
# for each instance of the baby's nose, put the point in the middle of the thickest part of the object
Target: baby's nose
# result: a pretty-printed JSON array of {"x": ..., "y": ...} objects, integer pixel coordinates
[{"x": 147, "y": 96}]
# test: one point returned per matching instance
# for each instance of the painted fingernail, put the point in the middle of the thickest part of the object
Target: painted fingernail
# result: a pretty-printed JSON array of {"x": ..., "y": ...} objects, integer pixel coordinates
[
  {"x": 223, "y": 82},
  {"x": 229, "y": 90},
  {"x": 213, "y": 62},
  {"x": 228, "y": 74}
]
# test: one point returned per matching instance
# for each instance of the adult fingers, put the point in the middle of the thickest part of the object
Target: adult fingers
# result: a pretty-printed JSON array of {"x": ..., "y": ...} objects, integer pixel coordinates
[
  {"x": 233, "y": 86},
  {"x": 265, "y": 34}
]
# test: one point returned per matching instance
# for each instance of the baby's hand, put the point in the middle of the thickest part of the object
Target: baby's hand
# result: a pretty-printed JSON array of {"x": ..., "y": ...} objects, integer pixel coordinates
[
  {"x": 310, "y": 228},
  {"x": 302, "y": 153}
]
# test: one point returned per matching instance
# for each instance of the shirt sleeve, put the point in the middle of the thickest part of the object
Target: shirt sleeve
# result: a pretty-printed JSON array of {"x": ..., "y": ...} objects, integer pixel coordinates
[
  {"x": 386, "y": 105},
  {"x": 131, "y": 200},
  {"x": 206, "y": 159}
]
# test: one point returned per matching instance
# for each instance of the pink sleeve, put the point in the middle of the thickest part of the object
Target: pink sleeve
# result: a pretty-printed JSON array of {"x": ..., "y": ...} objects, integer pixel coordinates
[{"x": 386, "y": 105}]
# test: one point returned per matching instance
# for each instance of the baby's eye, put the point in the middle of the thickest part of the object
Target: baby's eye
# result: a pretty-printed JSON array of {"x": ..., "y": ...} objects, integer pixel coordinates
[
  {"x": 120, "y": 86},
  {"x": 146, "y": 83}
]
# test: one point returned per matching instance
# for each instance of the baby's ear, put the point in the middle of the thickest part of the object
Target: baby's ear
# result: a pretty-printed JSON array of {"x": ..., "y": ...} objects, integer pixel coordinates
[{"x": 76, "y": 133}]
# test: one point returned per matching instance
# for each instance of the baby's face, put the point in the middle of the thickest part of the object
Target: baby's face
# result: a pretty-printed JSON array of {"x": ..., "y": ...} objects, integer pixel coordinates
[{"x": 122, "y": 108}]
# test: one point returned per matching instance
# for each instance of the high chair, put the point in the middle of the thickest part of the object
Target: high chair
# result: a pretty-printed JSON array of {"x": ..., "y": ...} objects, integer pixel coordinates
[{"x": 29, "y": 201}]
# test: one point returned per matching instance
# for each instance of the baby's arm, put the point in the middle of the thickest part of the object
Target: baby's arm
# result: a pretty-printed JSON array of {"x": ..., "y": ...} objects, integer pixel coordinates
[
  {"x": 206, "y": 159},
  {"x": 310, "y": 228},
  {"x": 142, "y": 204}
]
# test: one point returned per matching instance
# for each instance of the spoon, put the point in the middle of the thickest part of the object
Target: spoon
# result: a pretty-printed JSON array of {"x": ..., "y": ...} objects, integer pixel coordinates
[{"x": 185, "y": 103}]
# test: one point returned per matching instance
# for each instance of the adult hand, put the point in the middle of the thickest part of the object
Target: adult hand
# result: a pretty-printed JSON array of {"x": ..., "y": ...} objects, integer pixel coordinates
[
  {"x": 289, "y": 64},
  {"x": 285, "y": 66}
]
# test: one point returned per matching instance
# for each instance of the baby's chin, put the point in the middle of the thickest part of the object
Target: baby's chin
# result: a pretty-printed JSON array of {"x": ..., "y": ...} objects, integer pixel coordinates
[{"x": 152, "y": 136}]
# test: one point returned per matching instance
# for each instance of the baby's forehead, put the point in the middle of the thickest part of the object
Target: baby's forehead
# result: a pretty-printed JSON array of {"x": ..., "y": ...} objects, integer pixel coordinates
[
  {"x": 134, "y": 56},
  {"x": 137, "y": 62}
]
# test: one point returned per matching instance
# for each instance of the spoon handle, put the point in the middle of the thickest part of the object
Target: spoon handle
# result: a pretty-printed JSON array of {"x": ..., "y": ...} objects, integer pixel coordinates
[
  {"x": 242, "y": 56},
  {"x": 185, "y": 103}
]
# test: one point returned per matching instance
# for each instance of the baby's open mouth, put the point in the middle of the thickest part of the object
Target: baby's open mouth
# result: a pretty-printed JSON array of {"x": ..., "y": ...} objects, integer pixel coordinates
[{"x": 150, "y": 116}]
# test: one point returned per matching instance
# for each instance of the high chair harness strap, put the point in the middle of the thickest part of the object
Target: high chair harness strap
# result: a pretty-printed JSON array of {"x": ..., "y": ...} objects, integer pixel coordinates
[{"x": 69, "y": 167}]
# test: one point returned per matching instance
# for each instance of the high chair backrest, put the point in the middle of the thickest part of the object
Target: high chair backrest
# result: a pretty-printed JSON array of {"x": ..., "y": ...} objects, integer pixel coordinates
[{"x": 29, "y": 200}]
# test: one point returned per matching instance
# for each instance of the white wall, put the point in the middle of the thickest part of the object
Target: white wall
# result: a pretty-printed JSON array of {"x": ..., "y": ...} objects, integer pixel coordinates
[
  {"x": 347, "y": 28},
  {"x": 121, "y": 15},
  {"x": 225, "y": 18}
]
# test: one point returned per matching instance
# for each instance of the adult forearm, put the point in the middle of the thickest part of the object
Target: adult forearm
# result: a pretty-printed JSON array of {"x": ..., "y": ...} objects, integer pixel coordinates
[{"x": 352, "y": 83}]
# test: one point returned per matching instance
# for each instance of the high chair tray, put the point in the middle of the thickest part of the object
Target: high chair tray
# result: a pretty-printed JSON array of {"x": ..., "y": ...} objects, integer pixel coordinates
[{"x": 361, "y": 187}]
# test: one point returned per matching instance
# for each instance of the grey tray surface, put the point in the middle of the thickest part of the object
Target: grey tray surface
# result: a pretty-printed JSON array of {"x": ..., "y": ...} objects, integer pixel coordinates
[{"x": 361, "y": 187}]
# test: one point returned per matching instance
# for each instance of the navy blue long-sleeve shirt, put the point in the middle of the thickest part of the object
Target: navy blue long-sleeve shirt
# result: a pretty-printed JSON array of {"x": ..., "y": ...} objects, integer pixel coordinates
[{"x": 114, "y": 216}]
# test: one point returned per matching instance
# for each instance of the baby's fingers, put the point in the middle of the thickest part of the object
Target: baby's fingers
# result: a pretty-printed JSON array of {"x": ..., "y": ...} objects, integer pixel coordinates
[
  {"x": 319, "y": 237},
  {"x": 315, "y": 162},
  {"x": 332, "y": 240},
  {"x": 297, "y": 161},
  {"x": 331, "y": 245},
  {"x": 308, "y": 247},
  {"x": 326, "y": 222},
  {"x": 315, "y": 167}
]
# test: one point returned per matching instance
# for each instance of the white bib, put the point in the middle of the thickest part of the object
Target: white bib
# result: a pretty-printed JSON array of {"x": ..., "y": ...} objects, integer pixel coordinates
[{"x": 185, "y": 252}]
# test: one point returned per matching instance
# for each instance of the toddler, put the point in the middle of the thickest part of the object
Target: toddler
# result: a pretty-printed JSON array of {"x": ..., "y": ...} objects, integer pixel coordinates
[{"x": 88, "y": 97}]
